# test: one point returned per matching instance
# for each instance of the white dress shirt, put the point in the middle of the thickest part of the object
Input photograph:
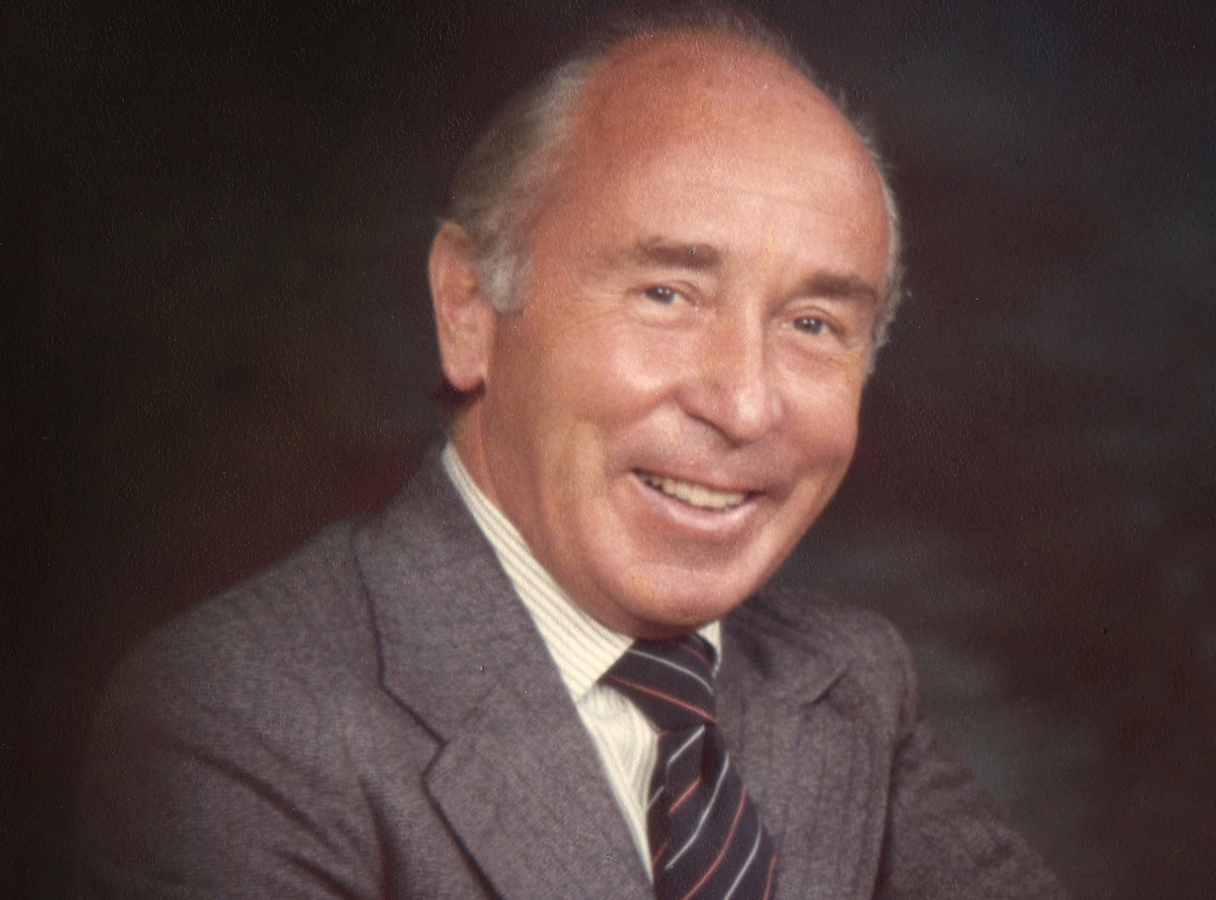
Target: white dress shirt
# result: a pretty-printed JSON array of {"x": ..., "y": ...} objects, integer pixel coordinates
[{"x": 583, "y": 650}]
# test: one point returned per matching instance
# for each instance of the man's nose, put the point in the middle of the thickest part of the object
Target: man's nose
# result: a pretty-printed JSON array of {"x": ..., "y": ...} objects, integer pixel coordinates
[{"x": 733, "y": 387}]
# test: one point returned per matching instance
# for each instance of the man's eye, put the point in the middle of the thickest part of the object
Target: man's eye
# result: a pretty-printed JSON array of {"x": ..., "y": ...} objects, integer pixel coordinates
[
  {"x": 810, "y": 325},
  {"x": 662, "y": 294}
]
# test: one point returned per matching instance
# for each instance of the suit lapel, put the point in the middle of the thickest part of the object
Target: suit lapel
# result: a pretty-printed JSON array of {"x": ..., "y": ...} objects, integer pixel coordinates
[
  {"x": 521, "y": 785},
  {"x": 806, "y": 760},
  {"x": 518, "y": 779}
]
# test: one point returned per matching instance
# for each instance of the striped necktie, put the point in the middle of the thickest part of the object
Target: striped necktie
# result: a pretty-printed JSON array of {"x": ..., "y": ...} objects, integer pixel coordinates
[{"x": 706, "y": 838}]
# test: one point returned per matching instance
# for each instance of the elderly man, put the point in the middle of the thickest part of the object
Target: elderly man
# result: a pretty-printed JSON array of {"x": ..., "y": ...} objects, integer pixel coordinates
[{"x": 661, "y": 286}]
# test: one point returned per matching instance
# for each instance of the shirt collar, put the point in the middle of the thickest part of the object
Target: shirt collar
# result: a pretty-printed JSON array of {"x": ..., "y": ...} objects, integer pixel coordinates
[{"x": 582, "y": 647}]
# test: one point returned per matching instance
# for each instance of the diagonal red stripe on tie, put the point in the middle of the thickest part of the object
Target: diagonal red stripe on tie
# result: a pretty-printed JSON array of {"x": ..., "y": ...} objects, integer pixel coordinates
[
  {"x": 684, "y": 796},
  {"x": 697, "y": 653},
  {"x": 768, "y": 885},
  {"x": 674, "y": 701}
]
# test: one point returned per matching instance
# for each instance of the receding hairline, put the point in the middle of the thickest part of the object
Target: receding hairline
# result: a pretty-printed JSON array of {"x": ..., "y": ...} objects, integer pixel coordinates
[
  {"x": 680, "y": 43},
  {"x": 636, "y": 76},
  {"x": 714, "y": 53}
]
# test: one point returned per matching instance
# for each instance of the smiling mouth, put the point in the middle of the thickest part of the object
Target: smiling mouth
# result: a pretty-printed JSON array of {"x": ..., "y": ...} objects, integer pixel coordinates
[{"x": 697, "y": 495}]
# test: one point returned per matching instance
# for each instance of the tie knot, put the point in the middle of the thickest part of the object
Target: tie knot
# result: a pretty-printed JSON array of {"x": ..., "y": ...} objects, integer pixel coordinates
[{"x": 670, "y": 681}]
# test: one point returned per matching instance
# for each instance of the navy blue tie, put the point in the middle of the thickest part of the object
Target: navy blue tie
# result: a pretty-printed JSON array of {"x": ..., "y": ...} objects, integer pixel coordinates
[{"x": 706, "y": 838}]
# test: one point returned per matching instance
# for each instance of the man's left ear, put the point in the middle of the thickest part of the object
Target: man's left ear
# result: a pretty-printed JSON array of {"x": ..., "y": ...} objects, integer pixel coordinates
[{"x": 464, "y": 318}]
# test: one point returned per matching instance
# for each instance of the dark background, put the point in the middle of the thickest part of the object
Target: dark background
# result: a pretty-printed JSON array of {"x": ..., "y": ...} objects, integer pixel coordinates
[{"x": 216, "y": 336}]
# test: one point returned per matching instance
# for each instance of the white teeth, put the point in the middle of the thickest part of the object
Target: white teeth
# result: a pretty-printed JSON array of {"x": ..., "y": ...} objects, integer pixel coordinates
[{"x": 694, "y": 494}]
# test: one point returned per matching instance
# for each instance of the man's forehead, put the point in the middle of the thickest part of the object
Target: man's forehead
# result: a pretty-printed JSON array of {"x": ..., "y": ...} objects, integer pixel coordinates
[
  {"x": 720, "y": 96},
  {"x": 713, "y": 140},
  {"x": 693, "y": 77}
]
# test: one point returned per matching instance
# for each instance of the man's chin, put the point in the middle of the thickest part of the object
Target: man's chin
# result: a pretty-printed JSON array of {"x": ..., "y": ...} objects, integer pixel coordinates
[{"x": 678, "y": 610}]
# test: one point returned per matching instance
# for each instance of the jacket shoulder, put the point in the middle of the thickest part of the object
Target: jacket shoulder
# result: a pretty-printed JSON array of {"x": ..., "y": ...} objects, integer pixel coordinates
[
  {"x": 300, "y": 613},
  {"x": 856, "y": 649}
]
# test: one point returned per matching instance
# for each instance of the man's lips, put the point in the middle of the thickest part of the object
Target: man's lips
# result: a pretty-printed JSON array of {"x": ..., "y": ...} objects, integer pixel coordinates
[{"x": 692, "y": 493}]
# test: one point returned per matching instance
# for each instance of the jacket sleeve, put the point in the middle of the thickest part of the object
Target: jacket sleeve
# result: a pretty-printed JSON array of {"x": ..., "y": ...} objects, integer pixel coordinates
[
  {"x": 212, "y": 772},
  {"x": 944, "y": 836}
]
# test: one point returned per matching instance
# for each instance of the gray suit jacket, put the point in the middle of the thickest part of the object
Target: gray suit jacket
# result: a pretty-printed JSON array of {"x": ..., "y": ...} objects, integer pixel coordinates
[{"x": 376, "y": 716}]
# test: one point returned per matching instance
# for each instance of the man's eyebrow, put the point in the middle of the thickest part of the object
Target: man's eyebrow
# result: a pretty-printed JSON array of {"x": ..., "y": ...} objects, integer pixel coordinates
[
  {"x": 705, "y": 257},
  {"x": 673, "y": 254},
  {"x": 836, "y": 286}
]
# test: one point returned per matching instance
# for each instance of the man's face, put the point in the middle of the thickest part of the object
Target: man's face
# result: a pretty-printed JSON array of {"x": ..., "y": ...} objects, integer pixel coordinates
[{"x": 677, "y": 400}]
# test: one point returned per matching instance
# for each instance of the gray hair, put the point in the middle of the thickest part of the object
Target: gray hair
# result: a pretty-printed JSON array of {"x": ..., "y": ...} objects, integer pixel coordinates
[{"x": 499, "y": 186}]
